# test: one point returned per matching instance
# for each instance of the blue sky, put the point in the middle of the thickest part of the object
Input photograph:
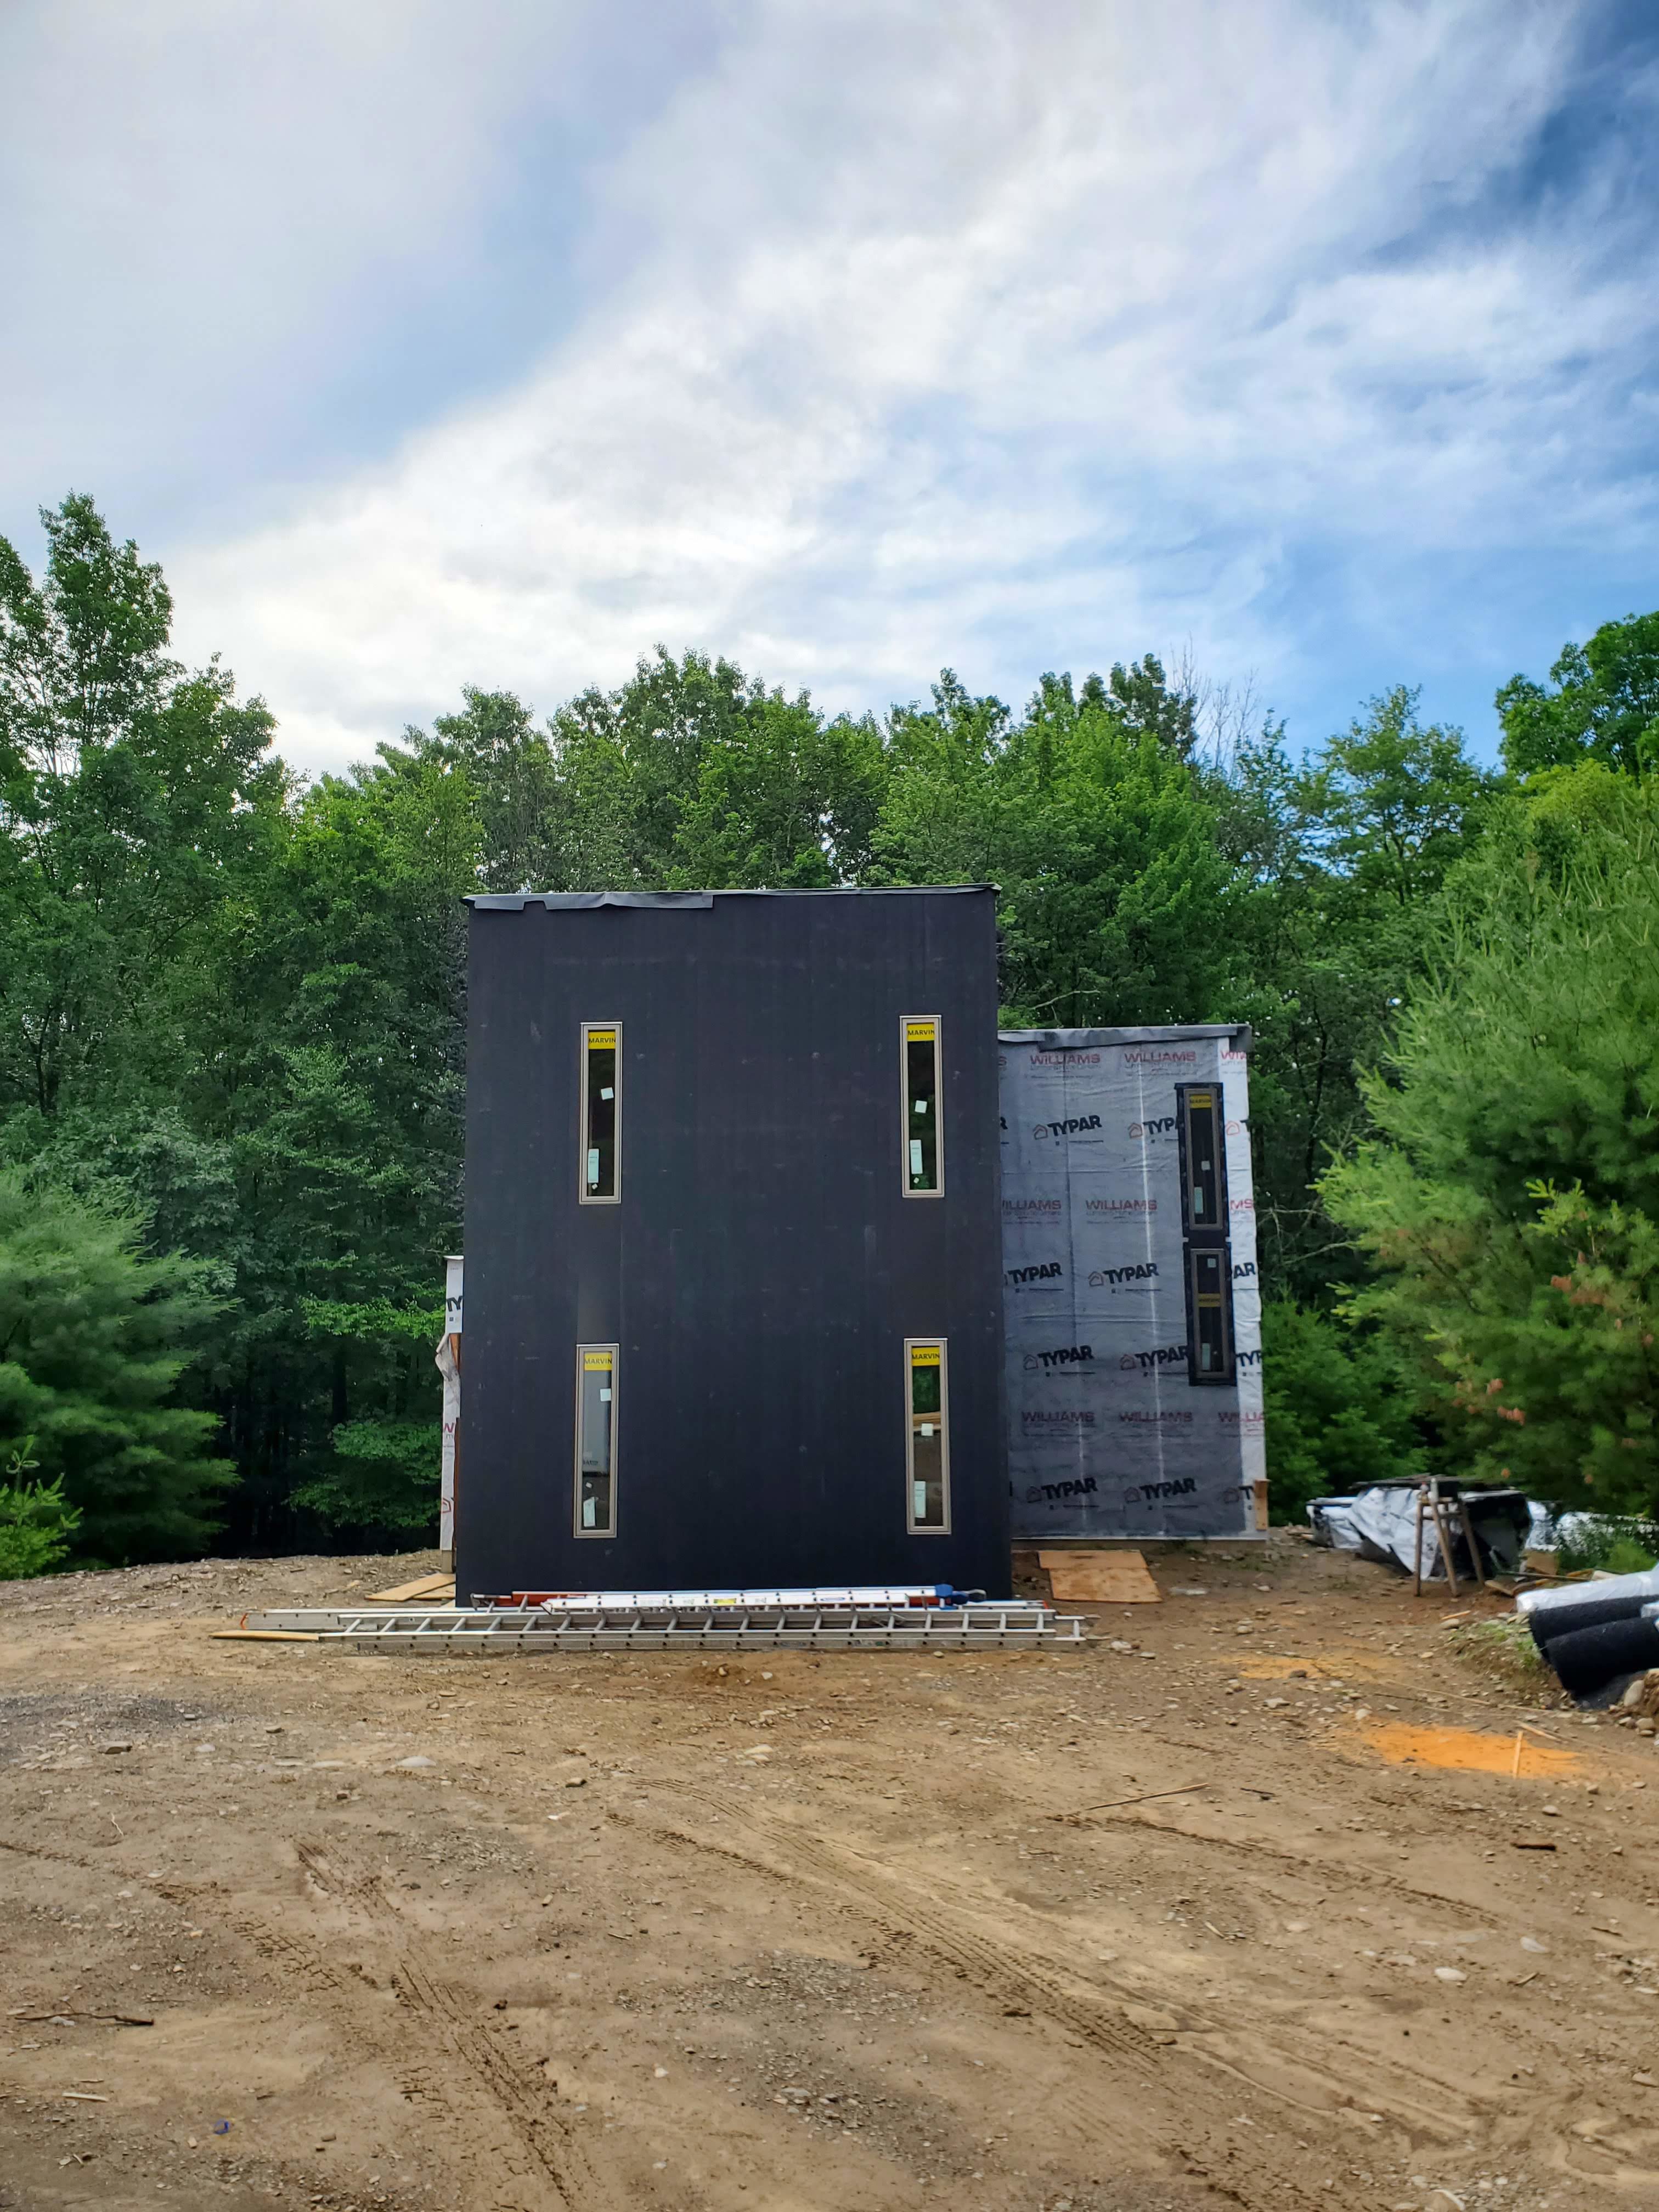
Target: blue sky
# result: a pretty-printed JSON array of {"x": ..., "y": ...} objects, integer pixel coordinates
[{"x": 1315, "y": 342}]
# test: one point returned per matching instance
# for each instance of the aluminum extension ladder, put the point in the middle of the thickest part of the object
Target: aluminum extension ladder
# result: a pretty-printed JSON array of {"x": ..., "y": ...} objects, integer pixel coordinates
[{"x": 510, "y": 1630}]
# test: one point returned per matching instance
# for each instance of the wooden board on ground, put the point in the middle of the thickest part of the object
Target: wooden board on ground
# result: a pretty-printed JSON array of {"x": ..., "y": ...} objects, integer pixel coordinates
[
  {"x": 264, "y": 1636},
  {"x": 430, "y": 1586},
  {"x": 1108, "y": 1577}
]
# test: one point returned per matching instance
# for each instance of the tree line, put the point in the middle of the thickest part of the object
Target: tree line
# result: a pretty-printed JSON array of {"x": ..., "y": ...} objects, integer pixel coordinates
[{"x": 231, "y": 1054}]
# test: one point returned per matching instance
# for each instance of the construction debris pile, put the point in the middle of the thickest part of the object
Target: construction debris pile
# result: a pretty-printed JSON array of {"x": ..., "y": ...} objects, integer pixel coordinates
[{"x": 1432, "y": 1529}]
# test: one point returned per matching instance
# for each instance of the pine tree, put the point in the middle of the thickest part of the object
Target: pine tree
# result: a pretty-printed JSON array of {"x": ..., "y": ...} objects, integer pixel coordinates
[
  {"x": 93, "y": 1339},
  {"x": 1510, "y": 1201}
]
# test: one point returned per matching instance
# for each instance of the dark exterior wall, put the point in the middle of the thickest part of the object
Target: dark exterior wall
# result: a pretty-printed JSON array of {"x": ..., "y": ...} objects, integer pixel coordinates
[{"x": 763, "y": 1268}]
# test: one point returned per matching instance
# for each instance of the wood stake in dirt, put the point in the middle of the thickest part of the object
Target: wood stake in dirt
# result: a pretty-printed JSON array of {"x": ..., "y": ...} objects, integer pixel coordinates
[{"x": 1145, "y": 1798}]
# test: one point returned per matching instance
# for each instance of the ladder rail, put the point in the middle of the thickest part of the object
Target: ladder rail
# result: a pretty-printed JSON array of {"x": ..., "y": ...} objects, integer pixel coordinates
[{"x": 508, "y": 1630}]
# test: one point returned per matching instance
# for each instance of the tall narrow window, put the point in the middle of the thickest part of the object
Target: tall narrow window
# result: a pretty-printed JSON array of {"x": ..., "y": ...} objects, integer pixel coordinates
[
  {"x": 601, "y": 1115},
  {"x": 1210, "y": 1294},
  {"x": 596, "y": 1439},
  {"x": 923, "y": 1138},
  {"x": 927, "y": 1449},
  {"x": 1207, "y": 1248},
  {"x": 1204, "y": 1174}
]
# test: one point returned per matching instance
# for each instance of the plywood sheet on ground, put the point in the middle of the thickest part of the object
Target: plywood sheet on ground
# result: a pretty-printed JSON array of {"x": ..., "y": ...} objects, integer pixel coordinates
[
  {"x": 1108, "y": 1577},
  {"x": 430, "y": 1586}
]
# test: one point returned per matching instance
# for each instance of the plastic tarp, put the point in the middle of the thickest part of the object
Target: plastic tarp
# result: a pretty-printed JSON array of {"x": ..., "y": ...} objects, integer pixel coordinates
[
  {"x": 1386, "y": 1520},
  {"x": 1331, "y": 1520},
  {"x": 1108, "y": 1435},
  {"x": 1382, "y": 1523}
]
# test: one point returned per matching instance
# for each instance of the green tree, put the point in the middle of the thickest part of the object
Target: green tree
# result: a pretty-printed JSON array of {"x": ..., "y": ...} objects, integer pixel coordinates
[
  {"x": 1117, "y": 899},
  {"x": 1338, "y": 1418},
  {"x": 524, "y": 824},
  {"x": 1144, "y": 702},
  {"x": 330, "y": 1083},
  {"x": 782, "y": 799},
  {"x": 631, "y": 761},
  {"x": 133, "y": 797},
  {"x": 92, "y": 1340},
  {"x": 37, "y": 1523},
  {"x": 1508, "y": 1198},
  {"x": 380, "y": 1477},
  {"x": 1604, "y": 705},
  {"x": 1347, "y": 854}
]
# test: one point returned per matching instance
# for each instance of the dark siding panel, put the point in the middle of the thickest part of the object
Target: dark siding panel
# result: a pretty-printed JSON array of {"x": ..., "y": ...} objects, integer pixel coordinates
[{"x": 762, "y": 1269}]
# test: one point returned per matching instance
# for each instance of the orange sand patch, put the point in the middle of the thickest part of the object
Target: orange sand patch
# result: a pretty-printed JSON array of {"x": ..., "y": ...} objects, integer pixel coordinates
[
  {"x": 1318, "y": 1667},
  {"x": 1466, "y": 1750}
]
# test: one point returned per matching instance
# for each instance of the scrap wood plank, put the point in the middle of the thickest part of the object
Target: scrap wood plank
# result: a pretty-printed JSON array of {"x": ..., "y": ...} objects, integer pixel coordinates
[
  {"x": 1108, "y": 1578},
  {"x": 427, "y": 1586},
  {"x": 264, "y": 1636}
]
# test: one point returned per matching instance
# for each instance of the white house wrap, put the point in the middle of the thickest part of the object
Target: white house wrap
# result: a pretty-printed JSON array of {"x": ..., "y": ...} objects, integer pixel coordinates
[
  {"x": 447, "y": 1358},
  {"x": 1132, "y": 1310}
]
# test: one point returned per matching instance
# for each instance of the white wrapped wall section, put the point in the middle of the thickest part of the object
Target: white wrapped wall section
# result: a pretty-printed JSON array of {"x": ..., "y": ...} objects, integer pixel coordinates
[{"x": 1110, "y": 1437}]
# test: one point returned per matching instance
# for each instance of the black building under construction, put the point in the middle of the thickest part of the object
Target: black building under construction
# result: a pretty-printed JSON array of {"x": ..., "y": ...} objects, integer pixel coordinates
[{"x": 732, "y": 1247}]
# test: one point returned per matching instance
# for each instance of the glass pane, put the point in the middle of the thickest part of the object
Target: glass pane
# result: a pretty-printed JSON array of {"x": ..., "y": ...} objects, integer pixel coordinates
[
  {"x": 927, "y": 1454},
  {"x": 1210, "y": 1288},
  {"x": 922, "y": 1105},
  {"x": 600, "y": 1137},
  {"x": 595, "y": 1435},
  {"x": 1203, "y": 1192}
]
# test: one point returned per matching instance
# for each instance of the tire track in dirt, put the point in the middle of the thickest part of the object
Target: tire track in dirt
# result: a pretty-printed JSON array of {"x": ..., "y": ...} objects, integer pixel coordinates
[
  {"x": 1284, "y": 2069},
  {"x": 298, "y": 1960},
  {"x": 566, "y": 2181},
  {"x": 1174, "y": 2140},
  {"x": 493, "y": 2066},
  {"x": 1401, "y": 2089},
  {"x": 842, "y": 1858},
  {"x": 1233, "y": 1846},
  {"x": 405, "y": 2041}
]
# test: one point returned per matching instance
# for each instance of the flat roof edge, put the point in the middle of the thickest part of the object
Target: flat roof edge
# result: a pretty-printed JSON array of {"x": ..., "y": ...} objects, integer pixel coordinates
[
  {"x": 562, "y": 901},
  {"x": 1087, "y": 1040}
]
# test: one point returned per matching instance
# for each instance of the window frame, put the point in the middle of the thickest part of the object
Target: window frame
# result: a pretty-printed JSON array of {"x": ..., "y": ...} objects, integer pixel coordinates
[
  {"x": 584, "y": 1196},
  {"x": 1221, "y": 1226},
  {"x": 1206, "y": 1236},
  {"x": 912, "y": 1526},
  {"x": 1228, "y": 1372},
  {"x": 938, "y": 1026},
  {"x": 595, "y": 1535}
]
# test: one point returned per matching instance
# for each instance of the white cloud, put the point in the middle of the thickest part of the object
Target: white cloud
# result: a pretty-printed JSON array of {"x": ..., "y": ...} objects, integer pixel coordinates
[
  {"x": 997, "y": 336},
  {"x": 215, "y": 207}
]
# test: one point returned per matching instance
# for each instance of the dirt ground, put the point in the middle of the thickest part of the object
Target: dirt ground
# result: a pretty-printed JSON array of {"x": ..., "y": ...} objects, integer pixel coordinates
[{"x": 1191, "y": 1918}]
